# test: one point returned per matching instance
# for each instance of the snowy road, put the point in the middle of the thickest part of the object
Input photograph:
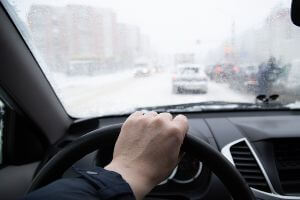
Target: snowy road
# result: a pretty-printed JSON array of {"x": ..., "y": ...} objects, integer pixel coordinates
[{"x": 112, "y": 94}]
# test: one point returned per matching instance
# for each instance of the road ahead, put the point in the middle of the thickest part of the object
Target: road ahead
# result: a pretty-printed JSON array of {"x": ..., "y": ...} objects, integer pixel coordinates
[{"x": 113, "y": 94}]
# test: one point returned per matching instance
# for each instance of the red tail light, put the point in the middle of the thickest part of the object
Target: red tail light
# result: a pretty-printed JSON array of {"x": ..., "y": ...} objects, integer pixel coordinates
[
  {"x": 236, "y": 69},
  {"x": 219, "y": 69}
]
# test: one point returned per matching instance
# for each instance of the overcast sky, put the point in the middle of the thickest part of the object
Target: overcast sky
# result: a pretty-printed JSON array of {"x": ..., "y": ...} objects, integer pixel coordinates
[{"x": 176, "y": 25}]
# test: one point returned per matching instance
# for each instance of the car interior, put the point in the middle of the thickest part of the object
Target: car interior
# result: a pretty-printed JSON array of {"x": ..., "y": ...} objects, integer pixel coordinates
[{"x": 232, "y": 153}]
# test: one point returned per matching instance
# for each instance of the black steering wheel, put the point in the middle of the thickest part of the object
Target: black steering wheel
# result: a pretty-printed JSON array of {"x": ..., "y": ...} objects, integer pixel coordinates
[{"x": 90, "y": 142}]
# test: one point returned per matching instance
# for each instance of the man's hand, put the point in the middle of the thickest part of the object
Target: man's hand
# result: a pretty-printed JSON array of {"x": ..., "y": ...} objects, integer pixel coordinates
[{"x": 147, "y": 149}]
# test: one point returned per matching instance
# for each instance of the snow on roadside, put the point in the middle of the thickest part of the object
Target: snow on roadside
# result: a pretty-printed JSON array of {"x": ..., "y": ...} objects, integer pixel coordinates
[
  {"x": 118, "y": 94},
  {"x": 63, "y": 81}
]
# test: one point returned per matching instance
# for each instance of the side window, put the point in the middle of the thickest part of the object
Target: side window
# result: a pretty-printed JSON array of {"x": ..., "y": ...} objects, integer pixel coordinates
[{"x": 1, "y": 128}]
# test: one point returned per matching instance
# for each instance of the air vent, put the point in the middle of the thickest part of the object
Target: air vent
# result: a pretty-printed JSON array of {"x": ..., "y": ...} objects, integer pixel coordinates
[
  {"x": 287, "y": 156},
  {"x": 248, "y": 167}
]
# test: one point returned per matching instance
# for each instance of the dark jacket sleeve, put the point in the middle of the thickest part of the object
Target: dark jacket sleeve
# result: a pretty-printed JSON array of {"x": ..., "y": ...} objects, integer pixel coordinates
[{"x": 96, "y": 183}]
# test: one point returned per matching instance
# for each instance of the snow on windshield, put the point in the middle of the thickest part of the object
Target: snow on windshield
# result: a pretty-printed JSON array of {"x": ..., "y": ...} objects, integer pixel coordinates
[{"x": 107, "y": 57}]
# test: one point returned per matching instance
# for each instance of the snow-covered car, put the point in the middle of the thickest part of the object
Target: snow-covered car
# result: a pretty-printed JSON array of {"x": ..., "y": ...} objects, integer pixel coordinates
[
  {"x": 142, "y": 68},
  {"x": 250, "y": 83},
  {"x": 189, "y": 78},
  {"x": 142, "y": 72}
]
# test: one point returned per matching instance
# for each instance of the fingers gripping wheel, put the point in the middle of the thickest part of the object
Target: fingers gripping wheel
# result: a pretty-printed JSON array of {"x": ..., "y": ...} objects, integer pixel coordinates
[{"x": 90, "y": 142}]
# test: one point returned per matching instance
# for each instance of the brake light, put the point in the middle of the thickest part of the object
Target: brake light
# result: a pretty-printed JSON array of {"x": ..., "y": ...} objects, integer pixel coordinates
[
  {"x": 236, "y": 69},
  {"x": 219, "y": 69}
]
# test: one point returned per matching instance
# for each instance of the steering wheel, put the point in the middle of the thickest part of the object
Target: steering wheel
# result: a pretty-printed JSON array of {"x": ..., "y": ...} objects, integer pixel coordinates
[{"x": 90, "y": 142}]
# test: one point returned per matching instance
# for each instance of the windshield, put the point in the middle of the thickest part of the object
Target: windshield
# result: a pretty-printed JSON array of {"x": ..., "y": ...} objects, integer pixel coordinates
[{"x": 110, "y": 57}]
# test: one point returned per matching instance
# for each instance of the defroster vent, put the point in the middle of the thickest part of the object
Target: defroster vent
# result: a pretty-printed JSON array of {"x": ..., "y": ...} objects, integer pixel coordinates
[
  {"x": 247, "y": 165},
  {"x": 287, "y": 157}
]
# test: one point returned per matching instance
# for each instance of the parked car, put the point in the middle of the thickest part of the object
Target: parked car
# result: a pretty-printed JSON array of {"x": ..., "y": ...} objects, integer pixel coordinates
[
  {"x": 142, "y": 68},
  {"x": 142, "y": 72},
  {"x": 250, "y": 78},
  {"x": 189, "y": 77},
  {"x": 229, "y": 73},
  {"x": 232, "y": 73},
  {"x": 217, "y": 73}
]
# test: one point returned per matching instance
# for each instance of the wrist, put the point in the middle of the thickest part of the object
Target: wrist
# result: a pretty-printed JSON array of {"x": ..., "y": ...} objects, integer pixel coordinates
[{"x": 139, "y": 184}]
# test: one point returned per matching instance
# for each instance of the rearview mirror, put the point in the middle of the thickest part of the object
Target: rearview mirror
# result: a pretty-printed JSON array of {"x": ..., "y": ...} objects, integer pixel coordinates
[{"x": 295, "y": 12}]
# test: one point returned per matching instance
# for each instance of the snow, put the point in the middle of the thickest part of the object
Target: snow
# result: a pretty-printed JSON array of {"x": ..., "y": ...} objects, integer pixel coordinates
[
  {"x": 295, "y": 105},
  {"x": 87, "y": 96}
]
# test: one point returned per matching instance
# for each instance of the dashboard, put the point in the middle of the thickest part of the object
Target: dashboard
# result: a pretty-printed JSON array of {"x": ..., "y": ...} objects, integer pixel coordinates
[{"x": 263, "y": 146}]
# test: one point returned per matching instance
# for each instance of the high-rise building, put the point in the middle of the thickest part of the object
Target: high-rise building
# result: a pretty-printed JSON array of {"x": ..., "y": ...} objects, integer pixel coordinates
[
  {"x": 90, "y": 32},
  {"x": 127, "y": 43},
  {"x": 48, "y": 33},
  {"x": 75, "y": 37}
]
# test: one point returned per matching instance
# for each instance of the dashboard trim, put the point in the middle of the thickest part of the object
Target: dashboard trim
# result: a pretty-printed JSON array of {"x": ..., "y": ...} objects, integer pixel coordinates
[
  {"x": 170, "y": 177},
  {"x": 191, "y": 179},
  {"x": 265, "y": 195},
  {"x": 226, "y": 152}
]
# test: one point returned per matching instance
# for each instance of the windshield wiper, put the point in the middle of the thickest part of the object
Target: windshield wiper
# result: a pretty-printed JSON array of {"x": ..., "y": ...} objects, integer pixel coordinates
[{"x": 212, "y": 105}]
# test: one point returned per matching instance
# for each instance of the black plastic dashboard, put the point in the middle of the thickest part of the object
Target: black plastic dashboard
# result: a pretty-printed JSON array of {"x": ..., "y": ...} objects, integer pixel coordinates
[{"x": 263, "y": 146}]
